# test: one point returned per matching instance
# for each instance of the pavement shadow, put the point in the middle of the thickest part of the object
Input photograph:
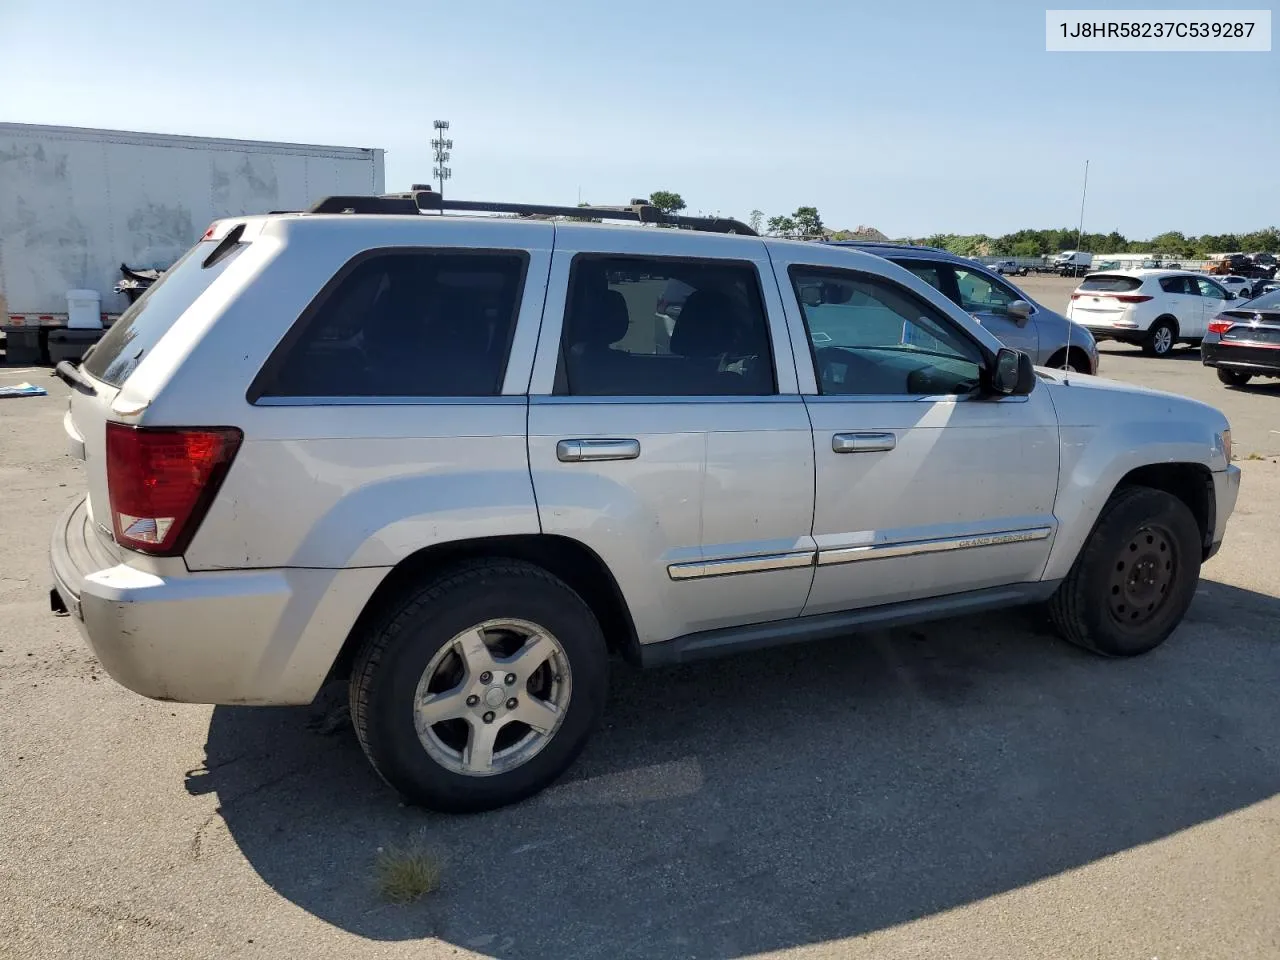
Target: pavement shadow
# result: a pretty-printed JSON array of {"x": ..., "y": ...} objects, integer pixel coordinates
[{"x": 791, "y": 796}]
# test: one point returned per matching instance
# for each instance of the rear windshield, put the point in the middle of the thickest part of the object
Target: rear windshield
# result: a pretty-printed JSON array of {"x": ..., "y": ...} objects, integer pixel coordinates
[
  {"x": 1268, "y": 301},
  {"x": 140, "y": 327},
  {"x": 1110, "y": 283}
]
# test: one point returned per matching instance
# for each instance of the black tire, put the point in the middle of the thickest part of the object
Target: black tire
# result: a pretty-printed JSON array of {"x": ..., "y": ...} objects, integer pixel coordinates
[
  {"x": 1233, "y": 379},
  {"x": 1091, "y": 611},
  {"x": 1154, "y": 344},
  {"x": 386, "y": 673}
]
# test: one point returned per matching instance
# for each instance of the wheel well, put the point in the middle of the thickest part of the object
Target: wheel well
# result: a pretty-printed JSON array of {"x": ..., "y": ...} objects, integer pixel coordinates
[
  {"x": 1170, "y": 319},
  {"x": 1192, "y": 483},
  {"x": 573, "y": 562},
  {"x": 1079, "y": 353}
]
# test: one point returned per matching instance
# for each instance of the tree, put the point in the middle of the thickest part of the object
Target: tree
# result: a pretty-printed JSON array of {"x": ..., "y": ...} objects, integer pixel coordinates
[
  {"x": 666, "y": 201},
  {"x": 756, "y": 220},
  {"x": 808, "y": 223},
  {"x": 782, "y": 226}
]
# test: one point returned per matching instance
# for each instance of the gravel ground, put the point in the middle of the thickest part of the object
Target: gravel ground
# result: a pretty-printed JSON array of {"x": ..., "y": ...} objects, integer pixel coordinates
[{"x": 970, "y": 789}]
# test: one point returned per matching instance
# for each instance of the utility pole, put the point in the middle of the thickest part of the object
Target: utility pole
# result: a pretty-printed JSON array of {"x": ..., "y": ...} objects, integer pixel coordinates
[{"x": 442, "y": 146}]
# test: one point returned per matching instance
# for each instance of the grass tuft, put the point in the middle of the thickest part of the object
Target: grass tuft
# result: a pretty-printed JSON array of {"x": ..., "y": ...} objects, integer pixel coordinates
[{"x": 406, "y": 875}]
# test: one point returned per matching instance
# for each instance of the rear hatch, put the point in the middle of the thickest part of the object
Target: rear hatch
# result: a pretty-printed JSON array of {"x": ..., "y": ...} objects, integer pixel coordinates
[
  {"x": 96, "y": 398},
  {"x": 1103, "y": 298}
]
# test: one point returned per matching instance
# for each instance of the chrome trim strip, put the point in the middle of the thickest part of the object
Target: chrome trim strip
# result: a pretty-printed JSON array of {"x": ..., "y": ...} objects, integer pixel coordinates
[
  {"x": 695, "y": 569},
  {"x": 882, "y": 551},
  {"x": 492, "y": 400}
]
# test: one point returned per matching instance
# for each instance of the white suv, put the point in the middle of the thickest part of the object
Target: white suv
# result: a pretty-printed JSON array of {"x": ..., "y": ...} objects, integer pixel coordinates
[
  {"x": 456, "y": 462},
  {"x": 1151, "y": 308}
]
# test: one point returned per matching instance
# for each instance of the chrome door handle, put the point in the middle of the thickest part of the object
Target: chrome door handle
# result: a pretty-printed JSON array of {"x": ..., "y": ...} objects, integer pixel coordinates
[
  {"x": 578, "y": 451},
  {"x": 863, "y": 442}
]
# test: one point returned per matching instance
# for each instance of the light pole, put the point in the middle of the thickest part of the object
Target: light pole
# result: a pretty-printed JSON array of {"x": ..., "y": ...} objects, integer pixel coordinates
[{"x": 442, "y": 146}]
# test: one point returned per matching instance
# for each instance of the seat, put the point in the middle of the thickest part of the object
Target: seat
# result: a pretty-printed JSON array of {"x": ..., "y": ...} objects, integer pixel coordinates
[
  {"x": 709, "y": 332},
  {"x": 598, "y": 320}
]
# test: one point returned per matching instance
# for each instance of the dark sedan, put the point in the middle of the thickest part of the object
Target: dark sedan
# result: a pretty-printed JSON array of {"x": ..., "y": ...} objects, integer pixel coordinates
[{"x": 1244, "y": 342}]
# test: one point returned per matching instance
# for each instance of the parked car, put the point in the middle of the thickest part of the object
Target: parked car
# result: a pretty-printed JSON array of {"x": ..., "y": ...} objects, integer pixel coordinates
[
  {"x": 406, "y": 453},
  {"x": 1009, "y": 268},
  {"x": 1240, "y": 286},
  {"x": 1049, "y": 338},
  {"x": 1154, "y": 309},
  {"x": 1263, "y": 286},
  {"x": 1244, "y": 342}
]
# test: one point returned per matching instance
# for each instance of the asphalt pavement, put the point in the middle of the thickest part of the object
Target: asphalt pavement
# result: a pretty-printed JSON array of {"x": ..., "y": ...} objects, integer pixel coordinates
[{"x": 968, "y": 789}]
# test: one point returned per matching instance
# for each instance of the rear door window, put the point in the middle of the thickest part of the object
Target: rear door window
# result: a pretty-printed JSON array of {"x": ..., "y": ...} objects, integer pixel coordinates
[
  {"x": 1179, "y": 285},
  {"x": 1110, "y": 283},
  {"x": 403, "y": 323},
  {"x": 657, "y": 326},
  {"x": 140, "y": 327}
]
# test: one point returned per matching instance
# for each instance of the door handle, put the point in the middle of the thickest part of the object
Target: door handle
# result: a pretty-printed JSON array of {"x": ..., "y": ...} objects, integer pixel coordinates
[
  {"x": 579, "y": 451},
  {"x": 863, "y": 442}
]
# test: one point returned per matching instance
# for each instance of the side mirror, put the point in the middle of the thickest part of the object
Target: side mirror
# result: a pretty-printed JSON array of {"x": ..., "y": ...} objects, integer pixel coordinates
[
  {"x": 1013, "y": 374},
  {"x": 1229, "y": 296},
  {"x": 1018, "y": 311}
]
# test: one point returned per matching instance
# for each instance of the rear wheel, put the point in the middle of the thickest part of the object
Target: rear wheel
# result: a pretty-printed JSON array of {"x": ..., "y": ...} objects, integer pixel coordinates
[
  {"x": 1233, "y": 379},
  {"x": 1135, "y": 576},
  {"x": 481, "y": 688},
  {"x": 1160, "y": 338}
]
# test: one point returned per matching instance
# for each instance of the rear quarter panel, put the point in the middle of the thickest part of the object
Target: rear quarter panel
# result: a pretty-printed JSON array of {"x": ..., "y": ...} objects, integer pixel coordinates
[{"x": 356, "y": 482}]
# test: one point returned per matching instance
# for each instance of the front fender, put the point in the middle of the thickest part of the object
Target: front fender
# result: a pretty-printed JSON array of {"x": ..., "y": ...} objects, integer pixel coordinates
[{"x": 1095, "y": 459}]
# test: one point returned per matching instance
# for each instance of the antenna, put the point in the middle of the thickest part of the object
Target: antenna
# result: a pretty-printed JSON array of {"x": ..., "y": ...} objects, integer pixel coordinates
[{"x": 1066, "y": 353}]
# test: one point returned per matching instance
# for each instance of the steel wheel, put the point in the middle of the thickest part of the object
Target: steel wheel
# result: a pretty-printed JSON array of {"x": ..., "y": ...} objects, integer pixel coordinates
[
  {"x": 492, "y": 697},
  {"x": 1140, "y": 582}
]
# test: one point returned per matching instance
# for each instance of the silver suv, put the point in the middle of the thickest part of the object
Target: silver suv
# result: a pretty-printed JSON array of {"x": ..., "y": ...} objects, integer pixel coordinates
[
  {"x": 455, "y": 462},
  {"x": 994, "y": 301}
]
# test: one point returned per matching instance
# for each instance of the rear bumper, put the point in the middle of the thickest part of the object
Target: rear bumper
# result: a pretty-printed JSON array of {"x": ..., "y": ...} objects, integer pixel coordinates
[
  {"x": 233, "y": 636},
  {"x": 1122, "y": 334},
  {"x": 1256, "y": 360}
]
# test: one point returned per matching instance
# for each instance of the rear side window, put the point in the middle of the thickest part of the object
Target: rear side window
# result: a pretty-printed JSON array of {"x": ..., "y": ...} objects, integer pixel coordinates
[
  {"x": 403, "y": 323},
  {"x": 140, "y": 327},
  {"x": 1110, "y": 283},
  {"x": 1179, "y": 285},
  {"x": 664, "y": 327}
]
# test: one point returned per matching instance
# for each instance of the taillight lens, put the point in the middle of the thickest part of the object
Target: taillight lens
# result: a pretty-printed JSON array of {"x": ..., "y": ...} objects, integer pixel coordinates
[
  {"x": 161, "y": 482},
  {"x": 1133, "y": 297},
  {"x": 1220, "y": 324}
]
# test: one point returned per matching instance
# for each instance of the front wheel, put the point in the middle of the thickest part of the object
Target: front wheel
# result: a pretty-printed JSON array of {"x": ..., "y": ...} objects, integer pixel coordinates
[
  {"x": 1160, "y": 339},
  {"x": 481, "y": 688},
  {"x": 1135, "y": 576},
  {"x": 1233, "y": 379}
]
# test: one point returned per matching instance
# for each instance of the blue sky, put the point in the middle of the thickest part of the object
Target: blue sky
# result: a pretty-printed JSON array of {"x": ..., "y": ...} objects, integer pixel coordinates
[{"x": 911, "y": 117}]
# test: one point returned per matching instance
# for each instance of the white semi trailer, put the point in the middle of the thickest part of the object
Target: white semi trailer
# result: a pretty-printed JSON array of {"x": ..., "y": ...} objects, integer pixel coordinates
[{"x": 77, "y": 203}]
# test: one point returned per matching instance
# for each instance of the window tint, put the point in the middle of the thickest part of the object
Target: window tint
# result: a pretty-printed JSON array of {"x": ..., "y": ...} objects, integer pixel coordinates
[
  {"x": 406, "y": 324},
  {"x": 927, "y": 272},
  {"x": 1208, "y": 289},
  {"x": 1179, "y": 285},
  {"x": 1110, "y": 283},
  {"x": 870, "y": 336},
  {"x": 980, "y": 293},
  {"x": 148, "y": 319},
  {"x": 664, "y": 327}
]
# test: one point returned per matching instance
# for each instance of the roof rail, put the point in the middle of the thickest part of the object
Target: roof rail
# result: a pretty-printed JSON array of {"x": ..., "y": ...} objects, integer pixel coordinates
[{"x": 429, "y": 201}]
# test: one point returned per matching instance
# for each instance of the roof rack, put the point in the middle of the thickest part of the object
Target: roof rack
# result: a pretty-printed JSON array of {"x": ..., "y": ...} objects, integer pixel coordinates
[{"x": 429, "y": 201}]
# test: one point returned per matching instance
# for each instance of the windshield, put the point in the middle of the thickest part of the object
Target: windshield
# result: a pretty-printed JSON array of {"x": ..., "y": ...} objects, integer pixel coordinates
[
  {"x": 1268, "y": 301},
  {"x": 140, "y": 327}
]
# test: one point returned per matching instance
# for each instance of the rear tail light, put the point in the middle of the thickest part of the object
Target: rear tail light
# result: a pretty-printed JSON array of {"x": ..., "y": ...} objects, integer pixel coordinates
[
  {"x": 1122, "y": 297},
  {"x": 1220, "y": 324},
  {"x": 161, "y": 482}
]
